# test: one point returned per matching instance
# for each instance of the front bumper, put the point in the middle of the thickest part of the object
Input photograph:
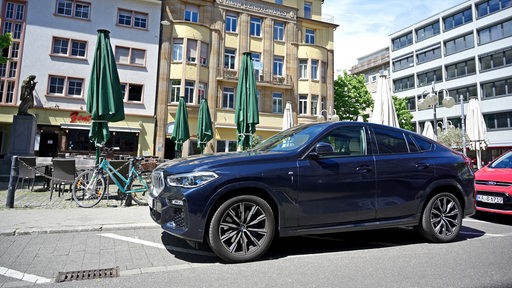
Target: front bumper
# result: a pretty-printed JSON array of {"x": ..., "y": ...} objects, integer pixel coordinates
[
  {"x": 494, "y": 198},
  {"x": 174, "y": 217}
]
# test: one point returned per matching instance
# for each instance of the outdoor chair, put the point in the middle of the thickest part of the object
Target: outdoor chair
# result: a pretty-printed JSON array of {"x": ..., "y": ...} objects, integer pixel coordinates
[
  {"x": 27, "y": 171},
  {"x": 63, "y": 173}
]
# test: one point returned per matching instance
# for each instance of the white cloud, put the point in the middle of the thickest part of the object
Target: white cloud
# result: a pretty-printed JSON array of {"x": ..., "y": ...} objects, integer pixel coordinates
[{"x": 364, "y": 26}]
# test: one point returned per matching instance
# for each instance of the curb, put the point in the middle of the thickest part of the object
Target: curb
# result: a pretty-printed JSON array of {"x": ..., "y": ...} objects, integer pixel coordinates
[{"x": 91, "y": 228}]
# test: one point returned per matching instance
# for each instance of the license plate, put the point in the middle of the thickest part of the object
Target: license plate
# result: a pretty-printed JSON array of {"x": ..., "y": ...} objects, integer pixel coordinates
[{"x": 489, "y": 199}]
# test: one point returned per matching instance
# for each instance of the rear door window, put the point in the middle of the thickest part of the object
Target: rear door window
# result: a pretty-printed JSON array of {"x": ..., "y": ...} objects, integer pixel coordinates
[
  {"x": 422, "y": 144},
  {"x": 390, "y": 141}
]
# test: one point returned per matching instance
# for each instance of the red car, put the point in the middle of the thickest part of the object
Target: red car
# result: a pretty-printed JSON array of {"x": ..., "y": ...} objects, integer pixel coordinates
[{"x": 494, "y": 186}]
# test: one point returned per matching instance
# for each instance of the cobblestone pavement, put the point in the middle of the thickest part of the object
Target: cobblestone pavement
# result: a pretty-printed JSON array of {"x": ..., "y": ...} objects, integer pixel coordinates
[{"x": 40, "y": 198}]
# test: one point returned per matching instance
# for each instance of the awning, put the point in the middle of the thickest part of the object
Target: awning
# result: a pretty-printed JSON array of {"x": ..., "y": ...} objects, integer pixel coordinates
[{"x": 111, "y": 128}]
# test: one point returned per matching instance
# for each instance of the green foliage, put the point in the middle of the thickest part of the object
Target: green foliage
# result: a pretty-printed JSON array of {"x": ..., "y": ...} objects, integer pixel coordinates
[
  {"x": 403, "y": 114},
  {"x": 351, "y": 97},
  {"x": 5, "y": 41}
]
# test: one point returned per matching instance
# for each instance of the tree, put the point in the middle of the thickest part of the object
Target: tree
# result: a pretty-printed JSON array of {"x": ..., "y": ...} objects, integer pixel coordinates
[
  {"x": 351, "y": 97},
  {"x": 5, "y": 41},
  {"x": 403, "y": 114}
]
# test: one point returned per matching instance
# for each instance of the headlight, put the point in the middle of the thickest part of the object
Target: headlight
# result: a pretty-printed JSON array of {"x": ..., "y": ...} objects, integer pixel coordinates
[
  {"x": 158, "y": 184},
  {"x": 190, "y": 180}
]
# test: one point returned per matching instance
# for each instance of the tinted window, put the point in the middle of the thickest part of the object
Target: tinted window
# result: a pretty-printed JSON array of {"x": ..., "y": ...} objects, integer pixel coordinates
[
  {"x": 423, "y": 145},
  {"x": 389, "y": 142},
  {"x": 411, "y": 144}
]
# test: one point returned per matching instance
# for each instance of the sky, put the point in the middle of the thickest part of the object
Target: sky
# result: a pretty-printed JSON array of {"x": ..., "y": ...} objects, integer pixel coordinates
[{"x": 365, "y": 25}]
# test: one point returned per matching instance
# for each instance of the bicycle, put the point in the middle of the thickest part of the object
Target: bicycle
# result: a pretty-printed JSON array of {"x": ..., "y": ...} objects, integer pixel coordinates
[{"x": 91, "y": 185}]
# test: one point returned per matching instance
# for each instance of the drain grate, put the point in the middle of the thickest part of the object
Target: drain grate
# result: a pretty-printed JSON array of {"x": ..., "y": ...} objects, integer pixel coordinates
[{"x": 87, "y": 274}]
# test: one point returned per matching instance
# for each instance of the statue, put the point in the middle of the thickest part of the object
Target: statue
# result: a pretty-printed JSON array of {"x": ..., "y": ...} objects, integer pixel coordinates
[{"x": 27, "y": 95}]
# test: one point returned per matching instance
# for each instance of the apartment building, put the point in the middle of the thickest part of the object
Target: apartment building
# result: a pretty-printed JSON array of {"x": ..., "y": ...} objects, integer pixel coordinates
[
  {"x": 55, "y": 41},
  {"x": 202, "y": 44},
  {"x": 466, "y": 50},
  {"x": 371, "y": 66}
]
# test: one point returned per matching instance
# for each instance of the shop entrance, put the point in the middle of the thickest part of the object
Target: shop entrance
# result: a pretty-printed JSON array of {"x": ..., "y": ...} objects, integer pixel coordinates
[
  {"x": 48, "y": 144},
  {"x": 169, "y": 152}
]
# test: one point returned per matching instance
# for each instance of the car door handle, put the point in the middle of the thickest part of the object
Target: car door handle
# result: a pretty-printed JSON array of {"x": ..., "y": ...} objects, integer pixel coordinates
[
  {"x": 422, "y": 165},
  {"x": 363, "y": 169}
]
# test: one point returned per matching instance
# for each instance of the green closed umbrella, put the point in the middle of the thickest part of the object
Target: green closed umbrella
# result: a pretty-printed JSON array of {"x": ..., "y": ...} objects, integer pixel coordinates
[
  {"x": 104, "y": 98},
  {"x": 204, "y": 125},
  {"x": 180, "y": 133},
  {"x": 246, "y": 110}
]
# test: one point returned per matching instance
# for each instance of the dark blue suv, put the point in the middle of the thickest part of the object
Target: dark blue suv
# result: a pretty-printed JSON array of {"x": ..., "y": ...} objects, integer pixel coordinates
[{"x": 312, "y": 179}]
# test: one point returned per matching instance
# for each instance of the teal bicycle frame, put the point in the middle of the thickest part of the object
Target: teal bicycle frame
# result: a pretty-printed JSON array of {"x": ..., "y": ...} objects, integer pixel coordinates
[{"x": 117, "y": 177}]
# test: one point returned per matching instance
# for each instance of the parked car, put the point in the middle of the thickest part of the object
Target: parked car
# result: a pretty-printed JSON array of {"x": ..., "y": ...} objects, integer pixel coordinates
[
  {"x": 494, "y": 186},
  {"x": 311, "y": 179}
]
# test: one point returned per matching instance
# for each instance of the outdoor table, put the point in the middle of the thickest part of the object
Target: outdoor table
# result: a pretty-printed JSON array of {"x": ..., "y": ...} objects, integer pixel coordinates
[
  {"x": 46, "y": 170},
  {"x": 85, "y": 163}
]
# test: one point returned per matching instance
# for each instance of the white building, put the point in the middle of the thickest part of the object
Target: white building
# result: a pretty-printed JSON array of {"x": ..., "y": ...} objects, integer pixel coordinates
[
  {"x": 55, "y": 41},
  {"x": 467, "y": 50}
]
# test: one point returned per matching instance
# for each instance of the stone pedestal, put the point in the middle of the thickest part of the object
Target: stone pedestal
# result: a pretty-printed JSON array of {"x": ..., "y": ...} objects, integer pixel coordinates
[{"x": 23, "y": 135}]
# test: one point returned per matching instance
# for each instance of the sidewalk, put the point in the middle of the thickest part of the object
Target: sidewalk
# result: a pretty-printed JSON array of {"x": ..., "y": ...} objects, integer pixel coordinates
[{"x": 35, "y": 213}]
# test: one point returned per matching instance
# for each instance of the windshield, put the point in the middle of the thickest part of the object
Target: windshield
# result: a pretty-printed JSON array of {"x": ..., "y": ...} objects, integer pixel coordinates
[
  {"x": 291, "y": 139},
  {"x": 504, "y": 161}
]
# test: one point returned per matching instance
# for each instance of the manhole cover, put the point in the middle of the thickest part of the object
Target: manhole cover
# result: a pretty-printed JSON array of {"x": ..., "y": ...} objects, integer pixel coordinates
[{"x": 87, "y": 274}]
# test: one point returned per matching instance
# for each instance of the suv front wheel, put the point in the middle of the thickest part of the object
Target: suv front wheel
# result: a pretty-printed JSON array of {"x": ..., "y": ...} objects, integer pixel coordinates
[
  {"x": 241, "y": 229},
  {"x": 442, "y": 218}
]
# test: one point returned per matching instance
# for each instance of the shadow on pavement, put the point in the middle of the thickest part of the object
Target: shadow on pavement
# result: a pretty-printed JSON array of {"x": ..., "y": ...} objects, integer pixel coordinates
[
  {"x": 494, "y": 218},
  {"x": 319, "y": 244},
  {"x": 181, "y": 249}
]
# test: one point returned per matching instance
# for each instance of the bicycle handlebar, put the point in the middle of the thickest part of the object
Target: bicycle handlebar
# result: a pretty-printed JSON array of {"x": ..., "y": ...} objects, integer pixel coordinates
[{"x": 106, "y": 149}]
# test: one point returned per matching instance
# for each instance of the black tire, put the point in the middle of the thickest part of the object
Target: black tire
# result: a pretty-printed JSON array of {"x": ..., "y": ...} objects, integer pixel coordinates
[
  {"x": 140, "y": 197},
  {"x": 441, "y": 219},
  {"x": 88, "y": 191},
  {"x": 242, "y": 229}
]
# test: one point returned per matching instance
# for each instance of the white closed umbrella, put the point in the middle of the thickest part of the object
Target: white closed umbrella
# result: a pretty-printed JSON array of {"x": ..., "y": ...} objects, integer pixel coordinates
[
  {"x": 383, "y": 107},
  {"x": 476, "y": 130},
  {"x": 428, "y": 131},
  {"x": 287, "y": 116}
]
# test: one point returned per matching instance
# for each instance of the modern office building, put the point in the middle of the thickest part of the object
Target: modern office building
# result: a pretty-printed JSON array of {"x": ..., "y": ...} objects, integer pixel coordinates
[
  {"x": 202, "y": 44},
  {"x": 466, "y": 50},
  {"x": 55, "y": 41}
]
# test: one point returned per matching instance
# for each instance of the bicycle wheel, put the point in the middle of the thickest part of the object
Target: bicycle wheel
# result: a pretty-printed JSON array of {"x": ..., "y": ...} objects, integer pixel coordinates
[
  {"x": 137, "y": 184},
  {"x": 88, "y": 188}
]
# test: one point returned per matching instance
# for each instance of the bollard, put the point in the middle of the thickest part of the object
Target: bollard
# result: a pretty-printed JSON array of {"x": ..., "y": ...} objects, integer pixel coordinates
[{"x": 13, "y": 179}]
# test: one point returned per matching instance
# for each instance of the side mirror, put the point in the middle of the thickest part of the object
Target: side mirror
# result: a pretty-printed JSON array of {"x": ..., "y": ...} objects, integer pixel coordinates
[{"x": 322, "y": 148}]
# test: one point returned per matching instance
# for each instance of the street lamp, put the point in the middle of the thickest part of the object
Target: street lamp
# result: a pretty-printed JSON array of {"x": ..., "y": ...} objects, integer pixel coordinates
[
  {"x": 330, "y": 117},
  {"x": 432, "y": 99}
]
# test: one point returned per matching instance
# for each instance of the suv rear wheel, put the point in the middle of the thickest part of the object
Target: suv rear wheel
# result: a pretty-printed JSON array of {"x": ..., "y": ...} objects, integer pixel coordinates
[
  {"x": 242, "y": 229},
  {"x": 442, "y": 218}
]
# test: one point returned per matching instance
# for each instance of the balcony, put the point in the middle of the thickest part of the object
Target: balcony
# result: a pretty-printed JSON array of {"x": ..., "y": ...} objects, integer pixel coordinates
[{"x": 232, "y": 75}]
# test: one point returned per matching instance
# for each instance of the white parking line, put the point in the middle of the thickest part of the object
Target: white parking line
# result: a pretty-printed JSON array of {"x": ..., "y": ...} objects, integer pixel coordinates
[
  {"x": 484, "y": 234},
  {"x": 156, "y": 245},
  {"x": 23, "y": 276}
]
